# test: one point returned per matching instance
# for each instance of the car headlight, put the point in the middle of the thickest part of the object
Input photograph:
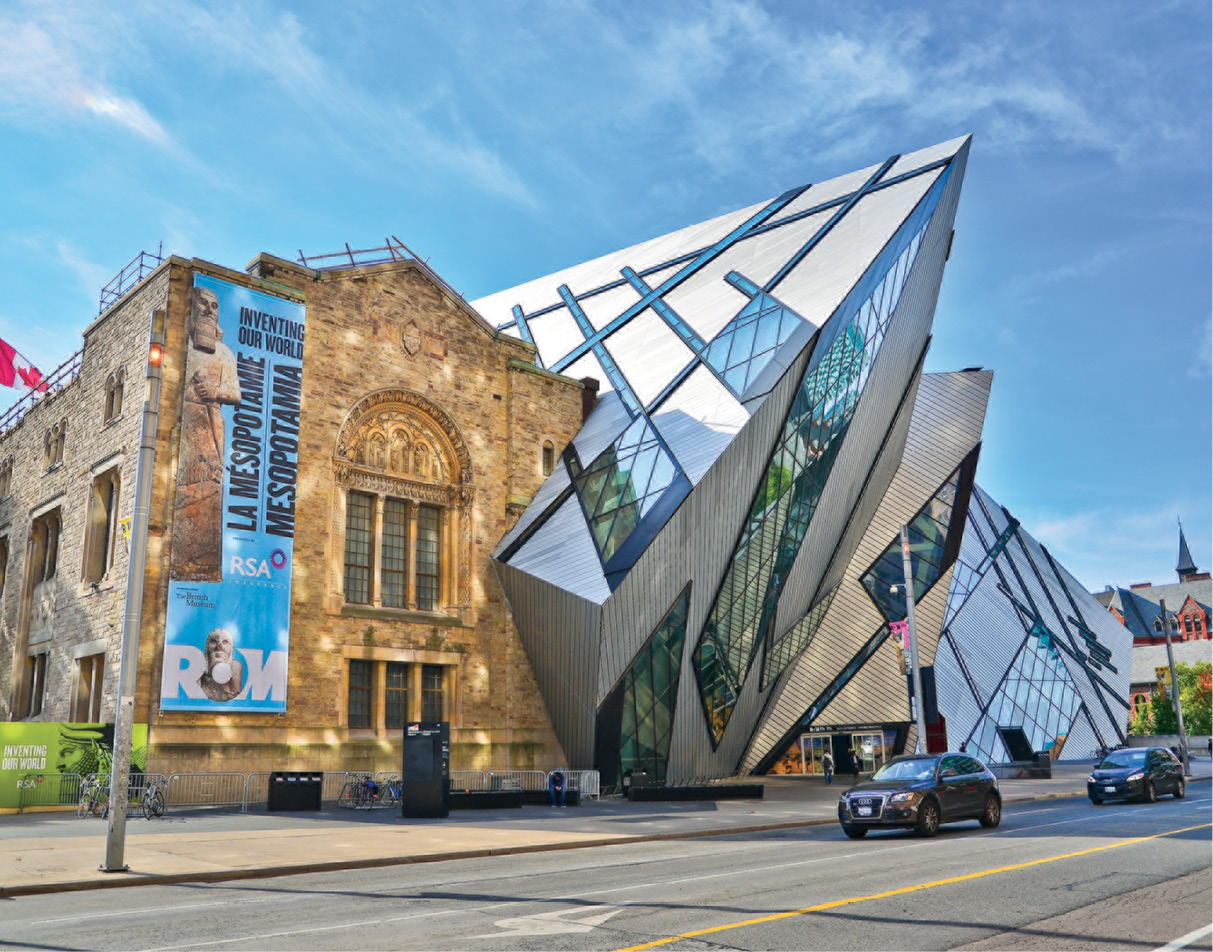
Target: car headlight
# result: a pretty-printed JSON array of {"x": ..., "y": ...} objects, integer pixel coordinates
[
  {"x": 842, "y": 801},
  {"x": 1091, "y": 779},
  {"x": 1137, "y": 776},
  {"x": 902, "y": 797}
]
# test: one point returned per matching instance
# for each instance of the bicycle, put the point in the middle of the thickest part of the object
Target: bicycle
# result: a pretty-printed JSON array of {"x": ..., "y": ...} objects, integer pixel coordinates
[
  {"x": 94, "y": 798},
  {"x": 360, "y": 793},
  {"x": 155, "y": 799},
  {"x": 392, "y": 792}
]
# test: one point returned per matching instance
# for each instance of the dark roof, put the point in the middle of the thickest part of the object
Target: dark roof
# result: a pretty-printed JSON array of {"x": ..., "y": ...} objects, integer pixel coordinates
[{"x": 1186, "y": 566}]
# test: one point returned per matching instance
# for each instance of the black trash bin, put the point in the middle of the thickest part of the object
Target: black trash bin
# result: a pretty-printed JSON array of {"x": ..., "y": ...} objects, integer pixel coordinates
[{"x": 295, "y": 790}]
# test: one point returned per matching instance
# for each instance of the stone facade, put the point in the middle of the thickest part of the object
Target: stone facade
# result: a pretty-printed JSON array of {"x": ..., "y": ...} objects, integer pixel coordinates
[{"x": 389, "y": 355}]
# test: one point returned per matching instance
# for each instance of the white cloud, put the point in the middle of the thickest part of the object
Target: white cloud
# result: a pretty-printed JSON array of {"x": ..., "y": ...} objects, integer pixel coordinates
[
  {"x": 91, "y": 275},
  {"x": 51, "y": 70}
]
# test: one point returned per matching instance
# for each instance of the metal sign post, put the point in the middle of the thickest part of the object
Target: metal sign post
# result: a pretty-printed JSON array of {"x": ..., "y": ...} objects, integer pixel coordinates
[
  {"x": 920, "y": 716},
  {"x": 124, "y": 713},
  {"x": 1179, "y": 713}
]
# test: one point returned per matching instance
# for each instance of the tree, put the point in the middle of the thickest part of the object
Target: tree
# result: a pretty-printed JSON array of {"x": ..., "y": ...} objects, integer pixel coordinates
[
  {"x": 1195, "y": 694},
  {"x": 1142, "y": 725},
  {"x": 1162, "y": 714}
]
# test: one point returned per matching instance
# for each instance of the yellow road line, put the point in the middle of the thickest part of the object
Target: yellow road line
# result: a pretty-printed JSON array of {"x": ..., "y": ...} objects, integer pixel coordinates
[{"x": 900, "y": 892}]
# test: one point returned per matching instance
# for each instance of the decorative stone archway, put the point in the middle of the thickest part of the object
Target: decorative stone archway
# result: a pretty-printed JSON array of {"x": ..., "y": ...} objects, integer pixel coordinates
[{"x": 397, "y": 444}]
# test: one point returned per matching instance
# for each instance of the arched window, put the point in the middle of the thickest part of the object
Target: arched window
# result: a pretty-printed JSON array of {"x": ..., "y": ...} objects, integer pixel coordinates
[
  {"x": 1158, "y": 626},
  {"x": 52, "y": 446},
  {"x": 549, "y": 457},
  {"x": 114, "y": 386},
  {"x": 1174, "y": 623},
  {"x": 403, "y": 478},
  {"x": 6, "y": 477},
  {"x": 1188, "y": 624}
]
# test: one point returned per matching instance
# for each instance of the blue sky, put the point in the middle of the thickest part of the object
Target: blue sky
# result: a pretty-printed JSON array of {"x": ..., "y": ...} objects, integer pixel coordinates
[{"x": 505, "y": 140}]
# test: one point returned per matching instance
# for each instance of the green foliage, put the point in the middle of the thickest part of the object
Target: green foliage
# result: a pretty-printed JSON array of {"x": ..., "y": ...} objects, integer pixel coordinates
[
  {"x": 1162, "y": 714},
  {"x": 1195, "y": 690},
  {"x": 1142, "y": 725},
  {"x": 779, "y": 479}
]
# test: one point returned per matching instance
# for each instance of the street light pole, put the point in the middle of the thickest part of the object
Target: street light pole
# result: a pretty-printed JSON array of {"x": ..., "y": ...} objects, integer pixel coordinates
[
  {"x": 909, "y": 585},
  {"x": 1179, "y": 713},
  {"x": 124, "y": 712}
]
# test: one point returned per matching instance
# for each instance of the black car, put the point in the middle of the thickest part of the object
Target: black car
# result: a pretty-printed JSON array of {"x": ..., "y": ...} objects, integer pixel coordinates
[
  {"x": 920, "y": 792},
  {"x": 1138, "y": 773}
]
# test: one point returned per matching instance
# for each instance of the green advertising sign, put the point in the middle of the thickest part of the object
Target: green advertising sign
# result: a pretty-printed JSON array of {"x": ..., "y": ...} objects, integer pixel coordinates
[{"x": 40, "y": 763}]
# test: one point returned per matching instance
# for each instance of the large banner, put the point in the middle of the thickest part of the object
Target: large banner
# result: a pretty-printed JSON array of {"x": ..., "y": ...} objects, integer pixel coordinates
[
  {"x": 35, "y": 756},
  {"x": 229, "y": 597}
]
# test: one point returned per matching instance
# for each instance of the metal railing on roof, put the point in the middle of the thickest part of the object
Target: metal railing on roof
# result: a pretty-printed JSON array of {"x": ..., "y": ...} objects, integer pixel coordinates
[
  {"x": 134, "y": 271},
  {"x": 55, "y": 381},
  {"x": 392, "y": 250}
]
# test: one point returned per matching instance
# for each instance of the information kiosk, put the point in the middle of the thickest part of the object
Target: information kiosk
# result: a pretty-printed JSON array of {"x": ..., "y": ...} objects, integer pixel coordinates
[{"x": 424, "y": 779}]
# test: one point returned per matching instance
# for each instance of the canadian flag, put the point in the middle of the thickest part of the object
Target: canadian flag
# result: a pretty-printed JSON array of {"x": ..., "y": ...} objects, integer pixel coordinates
[{"x": 16, "y": 371}]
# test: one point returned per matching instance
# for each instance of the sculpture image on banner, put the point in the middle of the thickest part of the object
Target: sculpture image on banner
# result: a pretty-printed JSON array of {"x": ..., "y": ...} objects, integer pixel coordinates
[{"x": 227, "y": 631}]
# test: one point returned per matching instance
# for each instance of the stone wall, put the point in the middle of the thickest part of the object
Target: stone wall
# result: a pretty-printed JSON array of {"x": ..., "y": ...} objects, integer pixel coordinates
[
  {"x": 66, "y": 616},
  {"x": 370, "y": 330}
]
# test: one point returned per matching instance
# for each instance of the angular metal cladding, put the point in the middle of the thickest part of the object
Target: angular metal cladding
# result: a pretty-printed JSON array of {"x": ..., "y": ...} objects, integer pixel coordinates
[{"x": 740, "y": 310}]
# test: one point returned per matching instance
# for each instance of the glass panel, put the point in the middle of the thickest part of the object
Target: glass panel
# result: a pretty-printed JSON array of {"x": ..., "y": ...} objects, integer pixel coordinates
[
  {"x": 393, "y": 585},
  {"x": 431, "y": 692},
  {"x": 360, "y": 694},
  {"x": 927, "y": 534},
  {"x": 359, "y": 532},
  {"x": 650, "y": 691},
  {"x": 623, "y": 483},
  {"x": 800, "y": 465},
  {"x": 427, "y": 558},
  {"x": 396, "y": 704}
]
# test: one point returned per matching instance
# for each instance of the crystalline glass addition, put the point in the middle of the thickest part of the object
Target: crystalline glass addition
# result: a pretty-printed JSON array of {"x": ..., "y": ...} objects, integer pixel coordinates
[
  {"x": 1038, "y": 695},
  {"x": 812, "y": 435},
  {"x": 623, "y": 483},
  {"x": 782, "y": 652},
  {"x": 650, "y": 691},
  {"x": 927, "y": 534},
  {"x": 747, "y": 343}
]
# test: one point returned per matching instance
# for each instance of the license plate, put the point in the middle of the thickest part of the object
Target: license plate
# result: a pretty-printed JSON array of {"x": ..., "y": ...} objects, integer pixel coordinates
[
  {"x": 1109, "y": 789},
  {"x": 863, "y": 811}
]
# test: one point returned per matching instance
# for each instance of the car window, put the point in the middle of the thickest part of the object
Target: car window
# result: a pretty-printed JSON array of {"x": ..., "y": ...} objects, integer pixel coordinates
[
  {"x": 920, "y": 768},
  {"x": 952, "y": 763},
  {"x": 972, "y": 766},
  {"x": 1124, "y": 758}
]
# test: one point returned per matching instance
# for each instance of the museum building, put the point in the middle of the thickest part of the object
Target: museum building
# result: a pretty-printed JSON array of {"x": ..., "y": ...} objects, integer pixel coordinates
[{"x": 642, "y": 514}]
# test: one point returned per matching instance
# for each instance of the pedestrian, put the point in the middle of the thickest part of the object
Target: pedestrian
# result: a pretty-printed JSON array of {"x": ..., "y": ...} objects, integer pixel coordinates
[
  {"x": 964, "y": 747},
  {"x": 1211, "y": 748},
  {"x": 556, "y": 787},
  {"x": 855, "y": 763},
  {"x": 827, "y": 767}
]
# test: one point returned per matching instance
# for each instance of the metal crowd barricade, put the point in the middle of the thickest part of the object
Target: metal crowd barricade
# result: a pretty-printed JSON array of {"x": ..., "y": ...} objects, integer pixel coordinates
[
  {"x": 334, "y": 782},
  {"x": 256, "y": 789},
  {"x": 48, "y": 790},
  {"x": 517, "y": 780},
  {"x": 467, "y": 780},
  {"x": 207, "y": 790},
  {"x": 587, "y": 782}
]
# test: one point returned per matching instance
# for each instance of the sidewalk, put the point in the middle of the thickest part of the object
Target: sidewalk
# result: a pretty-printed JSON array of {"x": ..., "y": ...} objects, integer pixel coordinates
[{"x": 54, "y": 852}]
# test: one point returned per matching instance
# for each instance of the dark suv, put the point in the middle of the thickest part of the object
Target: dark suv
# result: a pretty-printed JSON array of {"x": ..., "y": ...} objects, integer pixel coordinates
[
  {"x": 920, "y": 792},
  {"x": 1138, "y": 773}
]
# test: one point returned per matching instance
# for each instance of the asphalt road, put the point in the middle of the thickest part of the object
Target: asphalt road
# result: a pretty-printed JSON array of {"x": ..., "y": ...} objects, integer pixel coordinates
[{"x": 1056, "y": 874}]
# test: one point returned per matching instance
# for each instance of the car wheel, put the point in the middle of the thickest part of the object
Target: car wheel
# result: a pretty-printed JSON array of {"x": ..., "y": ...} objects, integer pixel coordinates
[
  {"x": 1098, "y": 801},
  {"x": 1148, "y": 795},
  {"x": 1180, "y": 788},
  {"x": 854, "y": 832},
  {"x": 928, "y": 819},
  {"x": 992, "y": 814}
]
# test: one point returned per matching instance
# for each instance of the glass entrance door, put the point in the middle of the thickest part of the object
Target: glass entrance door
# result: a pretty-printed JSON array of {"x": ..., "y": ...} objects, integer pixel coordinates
[
  {"x": 871, "y": 751},
  {"x": 814, "y": 745}
]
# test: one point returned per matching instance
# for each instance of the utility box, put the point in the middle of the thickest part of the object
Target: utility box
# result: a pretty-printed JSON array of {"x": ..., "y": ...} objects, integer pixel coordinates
[
  {"x": 425, "y": 773},
  {"x": 295, "y": 790}
]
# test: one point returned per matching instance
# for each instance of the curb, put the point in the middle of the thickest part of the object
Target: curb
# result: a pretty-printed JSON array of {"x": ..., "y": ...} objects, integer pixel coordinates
[{"x": 269, "y": 872}]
